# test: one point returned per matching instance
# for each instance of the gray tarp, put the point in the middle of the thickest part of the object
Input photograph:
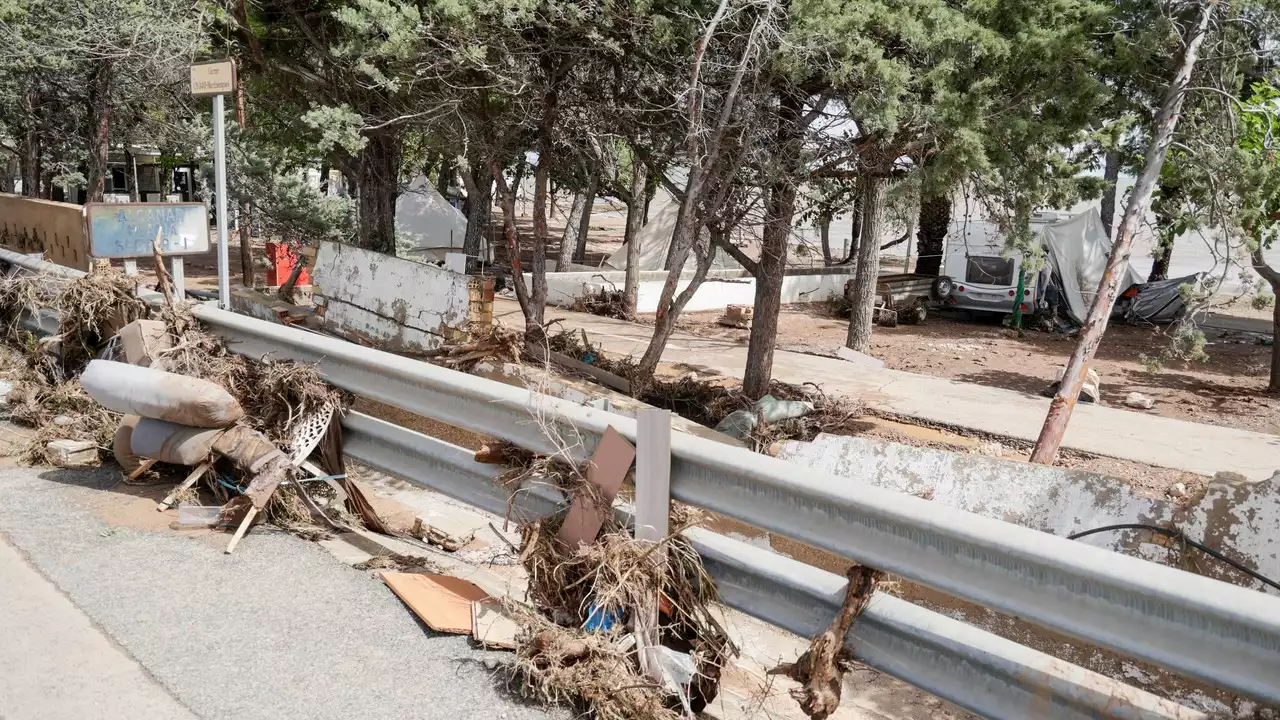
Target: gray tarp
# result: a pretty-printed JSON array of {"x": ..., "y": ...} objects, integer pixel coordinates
[
  {"x": 1160, "y": 301},
  {"x": 1077, "y": 250}
]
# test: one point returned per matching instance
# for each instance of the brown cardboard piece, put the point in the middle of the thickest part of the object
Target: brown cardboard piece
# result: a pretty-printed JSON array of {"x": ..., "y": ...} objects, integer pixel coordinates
[
  {"x": 143, "y": 340},
  {"x": 609, "y": 465},
  {"x": 443, "y": 602},
  {"x": 491, "y": 627}
]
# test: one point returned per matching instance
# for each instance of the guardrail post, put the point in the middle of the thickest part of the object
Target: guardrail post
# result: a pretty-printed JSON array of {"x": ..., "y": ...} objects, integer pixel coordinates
[{"x": 653, "y": 507}]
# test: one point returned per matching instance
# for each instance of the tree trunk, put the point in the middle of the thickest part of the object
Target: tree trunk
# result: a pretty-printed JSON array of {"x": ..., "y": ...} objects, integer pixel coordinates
[
  {"x": 931, "y": 237},
  {"x": 584, "y": 222},
  {"x": 533, "y": 319},
  {"x": 569, "y": 239},
  {"x": 1110, "y": 176},
  {"x": 1095, "y": 324},
  {"x": 30, "y": 161},
  {"x": 855, "y": 230},
  {"x": 100, "y": 82},
  {"x": 824, "y": 235},
  {"x": 131, "y": 174},
  {"x": 780, "y": 207},
  {"x": 445, "y": 180},
  {"x": 1274, "y": 384},
  {"x": 1160, "y": 264},
  {"x": 511, "y": 233},
  {"x": 479, "y": 204},
  {"x": 378, "y": 185},
  {"x": 242, "y": 213},
  {"x": 635, "y": 222},
  {"x": 867, "y": 273}
]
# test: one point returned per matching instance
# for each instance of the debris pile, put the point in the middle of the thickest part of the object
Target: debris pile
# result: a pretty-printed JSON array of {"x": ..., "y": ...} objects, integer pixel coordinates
[
  {"x": 611, "y": 303},
  {"x": 493, "y": 344},
  {"x": 591, "y": 584}
]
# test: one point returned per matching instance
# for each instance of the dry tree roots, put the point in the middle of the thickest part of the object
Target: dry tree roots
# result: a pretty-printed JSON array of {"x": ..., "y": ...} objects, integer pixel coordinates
[
  {"x": 606, "y": 303},
  {"x": 819, "y": 670},
  {"x": 613, "y": 576}
]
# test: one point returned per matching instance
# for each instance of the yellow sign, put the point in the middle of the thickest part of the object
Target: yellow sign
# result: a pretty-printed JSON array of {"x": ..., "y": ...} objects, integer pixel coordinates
[{"x": 213, "y": 78}]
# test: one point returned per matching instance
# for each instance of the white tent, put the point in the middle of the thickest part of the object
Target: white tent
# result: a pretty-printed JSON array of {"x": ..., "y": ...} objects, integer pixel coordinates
[
  {"x": 655, "y": 243},
  {"x": 1077, "y": 250},
  {"x": 426, "y": 223}
]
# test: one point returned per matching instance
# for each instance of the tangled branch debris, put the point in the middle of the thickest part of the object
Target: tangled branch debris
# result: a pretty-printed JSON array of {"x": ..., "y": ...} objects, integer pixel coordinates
[
  {"x": 707, "y": 402},
  {"x": 558, "y": 662},
  {"x": 820, "y": 670},
  {"x": 606, "y": 303},
  {"x": 494, "y": 344}
]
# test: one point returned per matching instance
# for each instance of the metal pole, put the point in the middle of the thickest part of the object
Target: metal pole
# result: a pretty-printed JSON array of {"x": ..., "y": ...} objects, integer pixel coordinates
[{"x": 220, "y": 173}]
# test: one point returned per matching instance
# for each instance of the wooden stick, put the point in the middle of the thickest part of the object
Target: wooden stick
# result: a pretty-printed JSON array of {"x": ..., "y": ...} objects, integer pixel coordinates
[
  {"x": 191, "y": 480},
  {"x": 145, "y": 466},
  {"x": 240, "y": 531}
]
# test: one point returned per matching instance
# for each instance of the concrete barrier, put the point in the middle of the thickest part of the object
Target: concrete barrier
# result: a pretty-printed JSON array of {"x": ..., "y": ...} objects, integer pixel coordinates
[
  {"x": 1232, "y": 516},
  {"x": 30, "y": 225}
]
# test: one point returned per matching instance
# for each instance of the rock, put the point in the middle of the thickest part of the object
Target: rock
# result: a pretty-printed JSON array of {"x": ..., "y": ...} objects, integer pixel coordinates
[
  {"x": 737, "y": 316},
  {"x": 1089, "y": 392},
  {"x": 73, "y": 453},
  {"x": 1139, "y": 401},
  {"x": 64, "y": 420},
  {"x": 5, "y": 389}
]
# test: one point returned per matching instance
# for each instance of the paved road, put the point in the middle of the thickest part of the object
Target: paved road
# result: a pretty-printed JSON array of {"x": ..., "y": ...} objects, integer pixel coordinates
[
  {"x": 278, "y": 630},
  {"x": 1150, "y": 439}
]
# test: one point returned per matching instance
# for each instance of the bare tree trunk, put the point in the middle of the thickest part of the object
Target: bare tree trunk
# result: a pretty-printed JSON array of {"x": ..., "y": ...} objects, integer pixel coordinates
[
  {"x": 867, "y": 274},
  {"x": 855, "y": 230},
  {"x": 479, "y": 203},
  {"x": 931, "y": 237},
  {"x": 131, "y": 174},
  {"x": 31, "y": 165},
  {"x": 100, "y": 84},
  {"x": 242, "y": 214},
  {"x": 1095, "y": 324},
  {"x": 511, "y": 233},
  {"x": 378, "y": 183},
  {"x": 635, "y": 222},
  {"x": 780, "y": 207},
  {"x": 569, "y": 238},
  {"x": 824, "y": 235},
  {"x": 584, "y": 222},
  {"x": 1110, "y": 176},
  {"x": 1163, "y": 256},
  {"x": 534, "y": 331}
]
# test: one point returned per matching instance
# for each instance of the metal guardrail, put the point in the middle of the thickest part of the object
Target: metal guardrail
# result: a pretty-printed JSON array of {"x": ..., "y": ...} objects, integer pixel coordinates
[
  {"x": 1210, "y": 630},
  {"x": 1219, "y": 633},
  {"x": 972, "y": 668}
]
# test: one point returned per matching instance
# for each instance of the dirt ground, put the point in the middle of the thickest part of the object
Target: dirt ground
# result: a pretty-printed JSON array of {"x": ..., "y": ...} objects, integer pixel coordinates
[{"x": 1229, "y": 389}]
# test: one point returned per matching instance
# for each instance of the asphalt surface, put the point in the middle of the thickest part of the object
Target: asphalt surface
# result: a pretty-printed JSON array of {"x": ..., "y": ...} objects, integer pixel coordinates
[{"x": 278, "y": 630}]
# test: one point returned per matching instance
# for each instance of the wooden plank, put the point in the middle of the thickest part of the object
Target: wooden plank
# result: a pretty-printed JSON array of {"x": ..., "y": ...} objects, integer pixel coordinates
[
  {"x": 191, "y": 480},
  {"x": 606, "y": 378},
  {"x": 609, "y": 465},
  {"x": 441, "y": 601}
]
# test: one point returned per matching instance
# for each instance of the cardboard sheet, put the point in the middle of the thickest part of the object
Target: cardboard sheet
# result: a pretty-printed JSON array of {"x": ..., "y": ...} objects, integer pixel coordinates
[{"x": 443, "y": 602}]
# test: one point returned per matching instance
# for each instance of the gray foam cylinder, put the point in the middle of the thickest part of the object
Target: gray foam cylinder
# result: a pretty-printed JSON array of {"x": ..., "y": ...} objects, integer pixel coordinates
[
  {"x": 171, "y": 443},
  {"x": 160, "y": 395}
]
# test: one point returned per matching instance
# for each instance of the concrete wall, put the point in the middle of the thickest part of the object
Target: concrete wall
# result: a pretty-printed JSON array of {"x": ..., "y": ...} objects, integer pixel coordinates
[
  {"x": 393, "y": 303},
  {"x": 56, "y": 229},
  {"x": 720, "y": 289},
  {"x": 1236, "y": 518}
]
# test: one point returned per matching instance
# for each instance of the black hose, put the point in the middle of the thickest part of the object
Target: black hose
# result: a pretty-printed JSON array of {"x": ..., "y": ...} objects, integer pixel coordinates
[{"x": 1178, "y": 535}]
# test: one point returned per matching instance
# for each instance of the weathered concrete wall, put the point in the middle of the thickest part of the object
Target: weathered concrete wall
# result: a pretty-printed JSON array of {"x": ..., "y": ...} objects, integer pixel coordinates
[
  {"x": 56, "y": 229},
  {"x": 721, "y": 288},
  {"x": 1239, "y": 519},
  {"x": 389, "y": 302}
]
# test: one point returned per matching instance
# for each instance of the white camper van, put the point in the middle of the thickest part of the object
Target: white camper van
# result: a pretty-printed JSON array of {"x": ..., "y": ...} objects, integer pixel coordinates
[{"x": 983, "y": 271}]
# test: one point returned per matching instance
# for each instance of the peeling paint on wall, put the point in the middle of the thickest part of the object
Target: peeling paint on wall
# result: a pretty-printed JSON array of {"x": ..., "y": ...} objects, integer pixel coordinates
[
  {"x": 389, "y": 302},
  {"x": 1236, "y": 517}
]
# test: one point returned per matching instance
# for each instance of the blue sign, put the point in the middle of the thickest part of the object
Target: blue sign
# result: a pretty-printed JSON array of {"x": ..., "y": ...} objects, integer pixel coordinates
[{"x": 128, "y": 230}]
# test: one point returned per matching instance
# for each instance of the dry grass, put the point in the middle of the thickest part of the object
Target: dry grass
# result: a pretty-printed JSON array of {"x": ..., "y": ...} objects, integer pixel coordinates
[{"x": 606, "y": 303}]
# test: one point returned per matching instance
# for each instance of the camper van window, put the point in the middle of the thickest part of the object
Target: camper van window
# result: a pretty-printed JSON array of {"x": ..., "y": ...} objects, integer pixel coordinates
[{"x": 989, "y": 271}]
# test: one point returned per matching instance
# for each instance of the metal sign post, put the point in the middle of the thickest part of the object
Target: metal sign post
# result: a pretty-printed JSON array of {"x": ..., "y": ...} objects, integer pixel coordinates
[{"x": 218, "y": 79}]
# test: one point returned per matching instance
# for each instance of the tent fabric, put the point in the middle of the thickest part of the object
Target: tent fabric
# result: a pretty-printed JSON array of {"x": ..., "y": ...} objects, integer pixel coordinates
[
  {"x": 655, "y": 243},
  {"x": 1077, "y": 250},
  {"x": 424, "y": 219},
  {"x": 1160, "y": 301}
]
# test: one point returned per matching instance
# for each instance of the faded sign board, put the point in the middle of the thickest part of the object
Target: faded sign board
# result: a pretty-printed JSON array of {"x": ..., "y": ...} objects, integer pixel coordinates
[
  {"x": 213, "y": 78},
  {"x": 127, "y": 230}
]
